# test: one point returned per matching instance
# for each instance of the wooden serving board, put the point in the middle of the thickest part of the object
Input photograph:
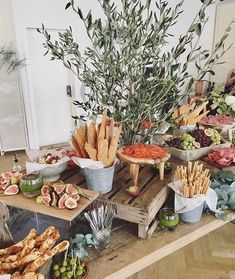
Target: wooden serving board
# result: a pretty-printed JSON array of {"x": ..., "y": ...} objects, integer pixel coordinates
[
  {"x": 144, "y": 161},
  {"x": 22, "y": 202}
]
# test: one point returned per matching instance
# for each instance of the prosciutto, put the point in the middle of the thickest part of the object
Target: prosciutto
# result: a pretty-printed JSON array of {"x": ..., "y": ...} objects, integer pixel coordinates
[
  {"x": 223, "y": 157},
  {"x": 217, "y": 120}
]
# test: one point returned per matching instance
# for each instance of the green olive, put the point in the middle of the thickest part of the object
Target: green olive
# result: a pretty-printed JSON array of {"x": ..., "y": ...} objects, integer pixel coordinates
[
  {"x": 57, "y": 274},
  {"x": 79, "y": 272},
  {"x": 72, "y": 261},
  {"x": 62, "y": 269},
  {"x": 56, "y": 267}
]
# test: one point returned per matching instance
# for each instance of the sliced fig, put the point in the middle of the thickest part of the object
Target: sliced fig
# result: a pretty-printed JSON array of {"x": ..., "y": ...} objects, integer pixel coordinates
[
  {"x": 70, "y": 189},
  {"x": 45, "y": 190},
  {"x": 196, "y": 144},
  {"x": 11, "y": 190},
  {"x": 59, "y": 188},
  {"x": 208, "y": 132},
  {"x": 4, "y": 182},
  {"x": 55, "y": 198},
  {"x": 46, "y": 199},
  {"x": 7, "y": 175},
  {"x": 61, "y": 202},
  {"x": 76, "y": 197},
  {"x": 70, "y": 203}
]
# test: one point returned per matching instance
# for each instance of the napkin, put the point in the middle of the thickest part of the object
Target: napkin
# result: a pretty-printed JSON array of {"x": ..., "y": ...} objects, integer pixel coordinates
[
  {"x": 183, "y": 204},
  {"x": 6, "y": 276},
  {"x": 87, "y": 163}
]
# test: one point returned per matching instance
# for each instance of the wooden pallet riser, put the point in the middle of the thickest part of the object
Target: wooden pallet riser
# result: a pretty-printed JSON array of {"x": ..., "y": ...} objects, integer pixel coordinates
[{"x": 128, "y": 213}]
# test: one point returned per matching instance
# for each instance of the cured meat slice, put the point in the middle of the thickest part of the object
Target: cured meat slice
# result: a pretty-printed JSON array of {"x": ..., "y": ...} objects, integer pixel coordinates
[
  {"x": 223, "y": 157},
  {"x": 148, "y": 151}
]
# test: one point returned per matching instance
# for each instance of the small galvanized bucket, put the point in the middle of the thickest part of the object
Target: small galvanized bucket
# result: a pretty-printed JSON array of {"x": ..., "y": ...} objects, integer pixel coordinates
[
  {"x": 192, "y": 216},
  {"x": 99, "y": 180}
]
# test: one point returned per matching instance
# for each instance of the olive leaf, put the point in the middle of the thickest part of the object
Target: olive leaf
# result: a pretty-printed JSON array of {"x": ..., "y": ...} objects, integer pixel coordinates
[{"x": 127, "y": 61}]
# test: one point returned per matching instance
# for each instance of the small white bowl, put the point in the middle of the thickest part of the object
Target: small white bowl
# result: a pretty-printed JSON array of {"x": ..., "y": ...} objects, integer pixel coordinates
[{"x": 50, "y": 172}]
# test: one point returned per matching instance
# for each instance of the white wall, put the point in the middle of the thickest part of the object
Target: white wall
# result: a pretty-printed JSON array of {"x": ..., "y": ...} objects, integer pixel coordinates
[{"x": 12, "y": 122}]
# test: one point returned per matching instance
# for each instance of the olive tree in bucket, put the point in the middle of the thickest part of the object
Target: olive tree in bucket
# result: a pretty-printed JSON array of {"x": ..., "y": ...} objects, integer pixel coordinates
[{"x": 128, "y": 67}]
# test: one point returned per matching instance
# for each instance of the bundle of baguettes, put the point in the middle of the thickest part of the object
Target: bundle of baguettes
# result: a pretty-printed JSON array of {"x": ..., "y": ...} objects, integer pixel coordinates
[
  {"x": 99, "y": 143},
  {"x": 24, "y": 258},
  {"x": 194, "y": 179}
]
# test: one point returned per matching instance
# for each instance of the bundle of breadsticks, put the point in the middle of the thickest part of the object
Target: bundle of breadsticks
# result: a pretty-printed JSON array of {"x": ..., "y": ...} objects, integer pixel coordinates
[
  {"x": 25, "y": 258},
  {"x": 194, "y": 179},
  {"x": 99, "y": 143}
]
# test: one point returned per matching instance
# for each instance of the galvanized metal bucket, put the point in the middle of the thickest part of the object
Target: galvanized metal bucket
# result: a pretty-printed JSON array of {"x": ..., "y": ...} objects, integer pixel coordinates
[
  {"x": 192, "y": 216},
  {"x": 99, "y": 180}
]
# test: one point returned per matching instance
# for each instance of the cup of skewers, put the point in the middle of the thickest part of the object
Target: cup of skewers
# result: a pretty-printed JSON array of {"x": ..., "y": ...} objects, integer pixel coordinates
[{"x": 191, "y": 188}]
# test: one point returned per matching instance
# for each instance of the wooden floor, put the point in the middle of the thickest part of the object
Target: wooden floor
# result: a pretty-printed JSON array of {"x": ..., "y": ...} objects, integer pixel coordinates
[{"x": 210, "y": 257}]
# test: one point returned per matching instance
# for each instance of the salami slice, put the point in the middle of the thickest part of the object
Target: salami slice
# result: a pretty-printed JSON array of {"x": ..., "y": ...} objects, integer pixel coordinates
[{"x": 147, "y": 151}]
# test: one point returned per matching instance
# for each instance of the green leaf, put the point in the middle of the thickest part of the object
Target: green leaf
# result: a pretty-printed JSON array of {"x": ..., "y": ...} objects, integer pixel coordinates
[{"x": 67, "y": 5}]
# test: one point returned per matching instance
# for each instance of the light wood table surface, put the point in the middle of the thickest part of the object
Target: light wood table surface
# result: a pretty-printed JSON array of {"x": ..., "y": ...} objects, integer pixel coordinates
[{"x": 127, "y": 260}]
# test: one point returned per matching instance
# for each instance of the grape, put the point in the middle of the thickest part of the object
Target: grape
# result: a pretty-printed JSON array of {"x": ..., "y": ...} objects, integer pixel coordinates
[{"x": 201, "y": 137}]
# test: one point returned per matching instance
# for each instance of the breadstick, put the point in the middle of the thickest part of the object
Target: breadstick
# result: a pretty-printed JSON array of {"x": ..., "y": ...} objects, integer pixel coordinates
[
  {"x": 35, "y": 265},
  {"x": 189, "y": 167}
]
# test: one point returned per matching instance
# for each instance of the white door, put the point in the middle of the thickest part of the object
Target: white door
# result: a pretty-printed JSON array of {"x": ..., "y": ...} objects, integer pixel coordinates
[
  {"x": 225, "y": 14},
  {"x": 53, "y": 107}
]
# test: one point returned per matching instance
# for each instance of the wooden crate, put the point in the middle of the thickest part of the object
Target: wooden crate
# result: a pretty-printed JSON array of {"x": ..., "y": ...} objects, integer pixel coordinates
[{"x": 141, "y": 210}]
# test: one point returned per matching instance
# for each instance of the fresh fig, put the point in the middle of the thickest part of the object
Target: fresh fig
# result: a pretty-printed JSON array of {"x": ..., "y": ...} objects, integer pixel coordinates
[
  {"x": 61, "y": 202},
  {"x": 39, "y": 199},
  {"x": 7, "y": 175},
  {"x": 76, "y": 197},
  {"x": 54, "y": 199},
  {"x": 196, "y": 144},
  {"x": 59, "y": 188},
  {"x": 70, "y": 189},
  {"x": 133, "y": 191},
  {"x": 46, "y": 199},
  {"x": 4, "y": 182},
  {"x": 45, "y": 190},
  {"x": 208, "y": 132},
  {"x": 70, "y": 203},
  {"x": 11, "y": 190}
]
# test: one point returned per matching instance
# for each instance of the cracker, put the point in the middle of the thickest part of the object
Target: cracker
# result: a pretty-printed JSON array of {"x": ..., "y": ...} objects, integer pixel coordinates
[
  {"x": 102, "y": 155},
  {"x": 92, "y": 134},
  {"x": 92, "y": 152},
  {"x": 81, "y": 137},
  {"x": 102, "y": 129}
]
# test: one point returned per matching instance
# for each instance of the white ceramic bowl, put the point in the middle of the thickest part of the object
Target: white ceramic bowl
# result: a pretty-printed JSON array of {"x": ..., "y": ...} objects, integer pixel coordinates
[{"x": 50, "y": 172}]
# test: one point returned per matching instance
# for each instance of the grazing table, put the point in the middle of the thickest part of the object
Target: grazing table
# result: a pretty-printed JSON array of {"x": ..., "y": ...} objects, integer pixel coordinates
[{"x": 127, "y": 253}]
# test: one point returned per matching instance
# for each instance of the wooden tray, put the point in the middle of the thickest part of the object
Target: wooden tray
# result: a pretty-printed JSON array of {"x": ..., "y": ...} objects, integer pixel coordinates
[{"x": 30, "y": 204}]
